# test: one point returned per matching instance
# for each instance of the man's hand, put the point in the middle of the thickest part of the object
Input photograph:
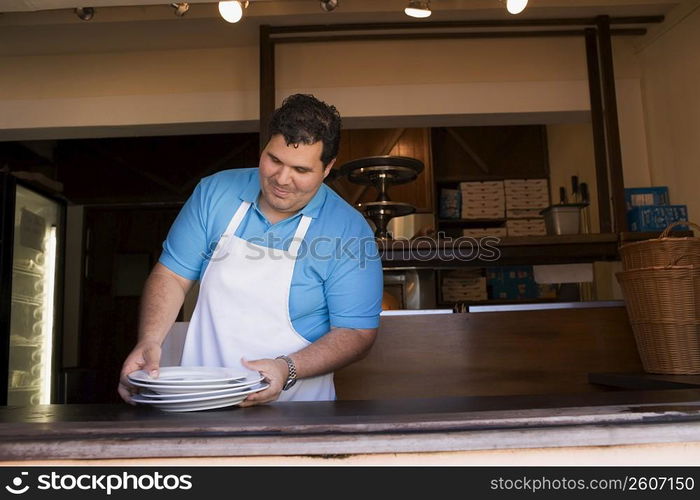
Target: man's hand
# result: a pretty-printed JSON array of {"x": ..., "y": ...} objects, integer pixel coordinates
[
  {"x": 145, "y": 356},
  {"x": 275, "y": 372}
]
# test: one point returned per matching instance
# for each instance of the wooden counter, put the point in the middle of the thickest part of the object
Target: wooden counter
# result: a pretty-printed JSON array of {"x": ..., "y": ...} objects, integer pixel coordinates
[
  {"x": 97, "y": 432},
  {"x": 492, "y": 353},
  {"x": 432, "y": 384}
]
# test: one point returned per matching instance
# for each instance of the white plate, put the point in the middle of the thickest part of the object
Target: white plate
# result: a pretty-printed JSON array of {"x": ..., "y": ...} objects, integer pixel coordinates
[
  {"x": 188, "y": 375},
  {"x": 147, "y": 393},
  {"x": 188, "y": 389},
  {"x": 205, "y": 405},
  {"x": 137, "y": 398}
]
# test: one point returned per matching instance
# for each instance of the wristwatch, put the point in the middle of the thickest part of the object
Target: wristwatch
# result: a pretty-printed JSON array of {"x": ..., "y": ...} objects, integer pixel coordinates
[{"x": 292, "y": 377}]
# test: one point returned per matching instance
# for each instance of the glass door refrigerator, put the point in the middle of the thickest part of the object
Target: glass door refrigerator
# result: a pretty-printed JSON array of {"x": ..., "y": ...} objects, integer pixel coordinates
[{"x": 32, "y": 232}]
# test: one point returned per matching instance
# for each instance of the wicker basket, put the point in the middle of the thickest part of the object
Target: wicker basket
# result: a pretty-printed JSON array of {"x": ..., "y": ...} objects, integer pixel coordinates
[
  {"x": 668, "y": 348},
  {"x": 662, "y": 251},
  {"x": 663, "y": 304}
]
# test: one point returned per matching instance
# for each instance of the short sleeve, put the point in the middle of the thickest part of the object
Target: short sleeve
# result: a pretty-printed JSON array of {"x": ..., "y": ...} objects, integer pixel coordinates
[
  {"x": 185, "y": 249},
  {"x": 355, "y": 286}
]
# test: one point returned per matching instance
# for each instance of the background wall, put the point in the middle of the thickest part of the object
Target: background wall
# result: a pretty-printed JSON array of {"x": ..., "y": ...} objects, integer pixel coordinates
[
  {"x": 670, "y": 81},
  {"x": 374, "y": 84}
]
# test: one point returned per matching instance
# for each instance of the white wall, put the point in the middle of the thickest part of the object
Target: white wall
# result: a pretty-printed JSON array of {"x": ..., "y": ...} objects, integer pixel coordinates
[
  {"x": 412, "y": 83},
  {"x": 670, "y": 67},
  {"x": 126, "y": 89}
]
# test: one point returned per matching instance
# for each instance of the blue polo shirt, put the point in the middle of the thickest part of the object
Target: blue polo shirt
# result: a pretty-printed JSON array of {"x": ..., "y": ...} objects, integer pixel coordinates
[{"x": 337, "y": 279}]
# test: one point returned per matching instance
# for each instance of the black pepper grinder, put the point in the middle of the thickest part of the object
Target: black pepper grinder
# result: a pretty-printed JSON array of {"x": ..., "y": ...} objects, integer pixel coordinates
[
  {"x": 586, "y": 201},
  {"x": 574, "y": 189},
  {"x": 562, "y": 195}
]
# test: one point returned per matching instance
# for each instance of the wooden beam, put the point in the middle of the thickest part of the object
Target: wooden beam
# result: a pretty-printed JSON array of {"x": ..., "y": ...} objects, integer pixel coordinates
[
  {"x": 612, "y": 132},
  {"x": 496, "y": 23},
  {"x": 598, "y": 123},
  {"x": 320, "y": 38},
  {"x": 267, "y": 83}
]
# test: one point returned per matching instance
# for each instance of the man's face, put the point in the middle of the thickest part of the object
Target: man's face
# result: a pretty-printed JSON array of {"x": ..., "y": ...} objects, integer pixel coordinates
[{"x": 289, "y": 176}]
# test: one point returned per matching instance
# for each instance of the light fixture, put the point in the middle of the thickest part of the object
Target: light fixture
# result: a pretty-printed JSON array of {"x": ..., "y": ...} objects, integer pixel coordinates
[
  {"x": 85, "y": 13},
  {"x": 418, "y": 8},
  {"x": 516, "y": 6},
  {"x": 181, "y": 8},
  {"x": 329, "y": 5},
  {"x": 232, "y": 11}
]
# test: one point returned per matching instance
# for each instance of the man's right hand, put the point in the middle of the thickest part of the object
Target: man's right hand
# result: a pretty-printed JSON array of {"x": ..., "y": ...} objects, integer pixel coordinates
[{"x": 145, "y": 356}]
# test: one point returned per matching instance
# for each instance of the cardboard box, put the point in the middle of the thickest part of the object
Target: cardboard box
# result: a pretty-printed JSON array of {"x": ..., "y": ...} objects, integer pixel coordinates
[
  {"x": 526, "y": 227},
  {"x": 498, "y": 232},
  {"x": 482, "y": 186}
]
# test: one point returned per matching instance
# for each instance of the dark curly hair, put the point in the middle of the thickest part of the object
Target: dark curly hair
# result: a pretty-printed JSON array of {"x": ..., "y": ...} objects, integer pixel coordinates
[{"x": 302, "y": 118}]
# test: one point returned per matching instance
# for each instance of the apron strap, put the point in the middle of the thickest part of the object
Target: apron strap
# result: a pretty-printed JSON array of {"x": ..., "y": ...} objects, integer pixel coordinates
[
  {"x": 222, "y": 245},
  {"x": 237, "y": 218},
  {"x": 299, "y": 235}
]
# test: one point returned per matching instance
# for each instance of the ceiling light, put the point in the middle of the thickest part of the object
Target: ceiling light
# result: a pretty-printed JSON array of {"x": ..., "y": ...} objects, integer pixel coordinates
[
  {"x": 329, "y": 5},
  {"x": 418, "y": 8},
  {"x": 232, "y": 11},
  {"x": 516, "y": 6},
  {"x": 85, "y": 13},
  {"x": 180, "y": 8}
]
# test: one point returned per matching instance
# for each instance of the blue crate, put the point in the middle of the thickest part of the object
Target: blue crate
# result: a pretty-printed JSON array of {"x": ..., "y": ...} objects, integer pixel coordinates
[
  {"x": 656, "y": 218},
  {"x": 450, "y": 203},
  {"x": 644, "y": 196},
  {"x": 511, "y": 283}
]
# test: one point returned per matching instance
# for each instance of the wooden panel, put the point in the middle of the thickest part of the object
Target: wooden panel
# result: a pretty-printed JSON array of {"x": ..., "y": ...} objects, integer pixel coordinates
[
  {"x": 413, "y": 143},
  {"x": 482, "y": 153},
  {"x": 503, "y": 353}
]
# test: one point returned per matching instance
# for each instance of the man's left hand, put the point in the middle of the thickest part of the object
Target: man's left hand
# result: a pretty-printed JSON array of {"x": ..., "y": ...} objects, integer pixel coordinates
[{"x": 275, "y": 372}]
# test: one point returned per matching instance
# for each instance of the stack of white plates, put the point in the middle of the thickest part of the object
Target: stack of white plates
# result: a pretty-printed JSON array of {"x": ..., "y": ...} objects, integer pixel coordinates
[{"x": 180, "y": 388}]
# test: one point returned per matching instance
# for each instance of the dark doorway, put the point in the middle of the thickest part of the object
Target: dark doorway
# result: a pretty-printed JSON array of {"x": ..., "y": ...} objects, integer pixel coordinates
[{"x": 121, "y": 247}]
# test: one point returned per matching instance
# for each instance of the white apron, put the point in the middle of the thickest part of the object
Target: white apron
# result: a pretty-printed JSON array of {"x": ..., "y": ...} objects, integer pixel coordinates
[{"x": 243, "y": 309}]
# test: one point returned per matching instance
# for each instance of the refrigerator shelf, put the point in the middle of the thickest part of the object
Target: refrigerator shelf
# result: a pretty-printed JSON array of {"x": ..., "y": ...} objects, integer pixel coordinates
[
  {"x": 34, "y": 345},
  {"x": 25, "y": 388},
  {"x": 27, "y": 272},
  {"x": 27, "y": 301}
]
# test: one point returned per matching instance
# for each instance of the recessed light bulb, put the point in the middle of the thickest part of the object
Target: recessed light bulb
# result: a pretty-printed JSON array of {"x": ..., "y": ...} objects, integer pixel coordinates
[
  {"x": 418, "y": 9},
  {"x": 231, "y": 11},
  {"x": 516, "y": 6}
]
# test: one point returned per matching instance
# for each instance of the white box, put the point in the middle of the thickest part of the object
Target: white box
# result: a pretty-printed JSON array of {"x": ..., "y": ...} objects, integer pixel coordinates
[
  {"x": 499, "y": 232},
  {"x": 526, "y": 227},
  {"x": 523, "y": 213}
]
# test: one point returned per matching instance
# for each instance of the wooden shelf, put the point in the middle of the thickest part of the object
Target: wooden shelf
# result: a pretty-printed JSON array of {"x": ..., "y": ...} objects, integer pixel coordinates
[
  {"x": 524, "y": 250},
  {"x": 491, "y": 302},
  {"x": 518, "y": 250},
  {"x": 466, "y": 222},
  {"x": 484, "y": 178}
]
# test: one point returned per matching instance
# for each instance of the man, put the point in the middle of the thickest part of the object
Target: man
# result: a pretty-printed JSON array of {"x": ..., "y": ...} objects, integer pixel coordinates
[{"x": 293, "y": 287}]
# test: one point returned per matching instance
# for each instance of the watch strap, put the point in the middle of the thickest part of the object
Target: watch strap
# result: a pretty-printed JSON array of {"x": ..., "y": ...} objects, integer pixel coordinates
[{"x": 292, "y": 376}]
